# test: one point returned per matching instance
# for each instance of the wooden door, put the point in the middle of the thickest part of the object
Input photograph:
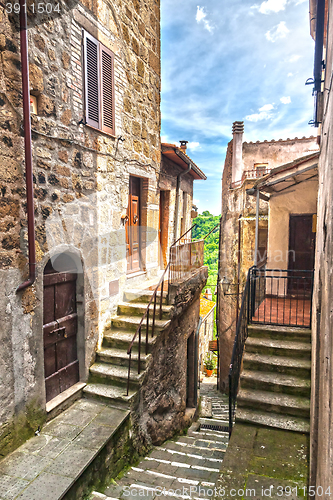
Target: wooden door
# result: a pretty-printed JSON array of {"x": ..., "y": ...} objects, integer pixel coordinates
[
  {"x": 163, "y": 228},
  {"x": 133, "y": 227},
  {"x": 301, "y": 251},
  {"x": 60, "y": 331}
]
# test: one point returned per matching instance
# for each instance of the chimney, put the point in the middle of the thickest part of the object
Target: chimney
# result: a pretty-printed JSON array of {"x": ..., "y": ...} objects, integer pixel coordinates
[
  {"x": 237, "y": 147},
  {"x": 183, "y": 146}
]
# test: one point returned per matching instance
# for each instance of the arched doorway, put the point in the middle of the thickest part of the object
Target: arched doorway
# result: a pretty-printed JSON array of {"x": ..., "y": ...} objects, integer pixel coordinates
[{"x": 61, "y": 364}]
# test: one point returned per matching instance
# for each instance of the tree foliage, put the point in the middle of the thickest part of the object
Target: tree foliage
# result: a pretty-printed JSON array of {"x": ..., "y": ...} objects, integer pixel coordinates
[{"x": 204, "y": 224}]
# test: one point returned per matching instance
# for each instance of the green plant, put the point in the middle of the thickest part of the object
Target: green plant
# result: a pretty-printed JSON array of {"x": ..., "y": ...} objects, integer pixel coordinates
[{"x": 210, "y": 361}]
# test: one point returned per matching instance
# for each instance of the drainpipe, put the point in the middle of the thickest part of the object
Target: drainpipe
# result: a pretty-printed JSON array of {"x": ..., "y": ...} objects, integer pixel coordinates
[
  {"x": 257, "y": 231},
  {"x": 179, "y": 176},
  {"x": 27, "y": 147},
  {"x": 238, "y": 264}
]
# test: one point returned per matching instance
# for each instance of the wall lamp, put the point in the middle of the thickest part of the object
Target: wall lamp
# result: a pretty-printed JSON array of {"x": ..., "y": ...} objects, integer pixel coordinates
[{"x": 227, "y": 285}]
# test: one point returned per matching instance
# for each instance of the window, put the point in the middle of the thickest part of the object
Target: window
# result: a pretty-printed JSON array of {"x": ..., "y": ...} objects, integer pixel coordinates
[{"x": 99, "y": 85}]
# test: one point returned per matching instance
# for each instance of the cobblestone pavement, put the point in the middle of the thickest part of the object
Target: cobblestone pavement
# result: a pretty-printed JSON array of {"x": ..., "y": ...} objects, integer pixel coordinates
[
  {"x": 185, "y": 467},
  {"x": 219, "y": 402}
]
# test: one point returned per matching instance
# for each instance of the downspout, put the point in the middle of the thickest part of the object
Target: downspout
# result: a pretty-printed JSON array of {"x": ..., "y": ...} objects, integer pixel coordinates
[
  {"x": 257, "y": 230},
  {"x": 179, "y": 176},
  {"x": 27, "y": 147}
]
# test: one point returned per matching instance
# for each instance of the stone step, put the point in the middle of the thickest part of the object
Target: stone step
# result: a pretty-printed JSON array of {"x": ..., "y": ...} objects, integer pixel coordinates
[
  {"x": 179, "y": 466},
  {"x": 132, "y": 322},
  {"x": 193, "y": 449},
  {"x": 278, "y": 364},
  {"x": 280, "y": 332},
  {"x": 275, "y": 382},
  {"x": 139, "y": 308},
  {"x": 143, "y": 296},
  {"x": 277, "y": 421},
  {"x": 121, "y": 339},
  {"x": 110, "y": 394},
  {"x": 104, "y": 373},
  {"x": 287, "y": 348},
  {"x": 191, "y": 475},
  {"x": 274, "y": 402},
  {"x": 213, "y": 435},
  {"x": 187, "y": 456},
  {"x": 203, "y": 443},
  {"x": 120, "y": 357}
]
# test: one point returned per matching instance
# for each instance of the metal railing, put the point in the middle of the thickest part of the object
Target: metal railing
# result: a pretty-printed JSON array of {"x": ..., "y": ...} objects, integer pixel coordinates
[
  {"x": 149, "y": 326},
  {"x": 138, "y": 332},
  {"x": 272, "y": 297},
  {"x": 237, "y": 353},
  {"x": 187, "y": 256},
  {"x": 281, "y": 297}
]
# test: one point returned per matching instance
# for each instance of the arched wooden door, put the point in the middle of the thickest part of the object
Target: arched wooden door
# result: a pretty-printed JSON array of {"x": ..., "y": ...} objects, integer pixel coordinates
[
  {"x": 61, "y": 363},
  {"x": 133, "y": 227}
]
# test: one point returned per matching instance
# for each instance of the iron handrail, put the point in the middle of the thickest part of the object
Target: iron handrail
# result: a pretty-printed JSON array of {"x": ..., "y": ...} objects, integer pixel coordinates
[
  {"x": 146, "y": 315},
  {"x": 238, "y": 348}
]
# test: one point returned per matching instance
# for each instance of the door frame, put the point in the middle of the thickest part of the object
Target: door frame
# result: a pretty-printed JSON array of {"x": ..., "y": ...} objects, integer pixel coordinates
[
  {"x": 128, "y": 233},
  {"x": 290, "y": 267}
]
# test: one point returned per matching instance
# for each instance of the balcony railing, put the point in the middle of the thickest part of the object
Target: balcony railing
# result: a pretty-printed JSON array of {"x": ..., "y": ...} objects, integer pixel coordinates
[
  {"x": 281, "y": 297},
  {"x": 255, "y": 173}
]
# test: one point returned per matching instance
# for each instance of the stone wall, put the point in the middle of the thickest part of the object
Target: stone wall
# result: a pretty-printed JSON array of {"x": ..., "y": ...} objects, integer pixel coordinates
[
  {"x": 321, "y": 435},
  {"x": 81, "y": 181}
]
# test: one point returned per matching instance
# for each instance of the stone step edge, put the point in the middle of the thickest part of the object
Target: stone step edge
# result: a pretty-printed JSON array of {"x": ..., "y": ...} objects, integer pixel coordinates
[
  {"x": 263, "y": 343},
  {"x": 274, "y": 420},
  {"x": 279, "y": 360},
  {"x": 280, "y": 378},
  {"x": 268, "y": 397},
  {"x": 98, "y": 389}
]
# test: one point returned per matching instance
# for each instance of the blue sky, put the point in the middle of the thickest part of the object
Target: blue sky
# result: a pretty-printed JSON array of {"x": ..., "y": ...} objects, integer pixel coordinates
[{"x": 233, "y": 60}]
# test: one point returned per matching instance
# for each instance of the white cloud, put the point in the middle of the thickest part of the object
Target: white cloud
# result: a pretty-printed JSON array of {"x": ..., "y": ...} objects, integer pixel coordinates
[
  {"x": 272, "y": 6},
  {"x": 285, "y": 100},
  {"x": 266, "y": 107},
  {"x": 201, "y": 16},
  {"x": 193, "y": 145},
  {"x": 258, "y": 117},
  {"x": 294, "y": 58},
  {"x": 279, "y": 31},
  {"x": 290, "y": 74}
]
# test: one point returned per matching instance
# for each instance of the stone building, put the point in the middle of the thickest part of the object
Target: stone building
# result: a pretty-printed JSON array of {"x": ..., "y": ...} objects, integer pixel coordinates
[
  {"x": 206, "y": 332},
  {"x": 94, "y": 75},
  {"x": 245, "y": 164},
  {"x": 321, "y": 435}
]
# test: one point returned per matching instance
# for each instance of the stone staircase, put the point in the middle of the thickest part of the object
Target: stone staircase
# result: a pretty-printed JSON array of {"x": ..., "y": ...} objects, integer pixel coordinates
[
  {"x": 184, "y": 468},
  {"x": 275, "y": 381},
  {"x": 108, "y": 375}
]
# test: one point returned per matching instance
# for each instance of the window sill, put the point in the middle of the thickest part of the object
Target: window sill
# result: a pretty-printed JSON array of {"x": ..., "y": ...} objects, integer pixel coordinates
[{"x": 100, "y": 131}]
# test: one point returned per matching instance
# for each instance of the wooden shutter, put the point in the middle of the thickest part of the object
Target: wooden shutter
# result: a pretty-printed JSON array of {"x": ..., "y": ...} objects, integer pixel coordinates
[
  {"x": 92, "y": 81},
  {"x": 107, "y": 90}
]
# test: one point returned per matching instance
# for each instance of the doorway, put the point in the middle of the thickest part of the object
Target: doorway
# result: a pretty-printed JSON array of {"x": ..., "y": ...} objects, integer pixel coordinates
[
  {"x": 301, "y": 252},
  {"x": 164, "y": 228},
  {"x": 133, "y": 226},
  {"x": 61, "y": 364}
]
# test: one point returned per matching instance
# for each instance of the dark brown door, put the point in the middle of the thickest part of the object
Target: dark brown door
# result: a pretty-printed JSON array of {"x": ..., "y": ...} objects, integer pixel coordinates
[
  {"x": 301, "y": 252},
  {"x": 163, "y": 228},
  {"x": 133, "y": 227},
  {"x": 60, "y": 330}
]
